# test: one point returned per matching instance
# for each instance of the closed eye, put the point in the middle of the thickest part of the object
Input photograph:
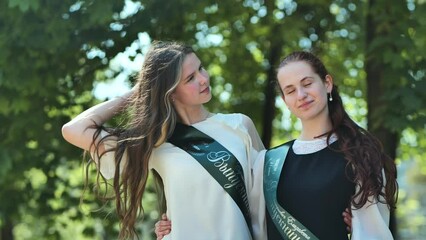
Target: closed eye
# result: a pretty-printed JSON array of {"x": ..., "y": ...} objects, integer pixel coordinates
[
  {"x": 190, "y": 78},
  {"x": 290, "y": 91}
]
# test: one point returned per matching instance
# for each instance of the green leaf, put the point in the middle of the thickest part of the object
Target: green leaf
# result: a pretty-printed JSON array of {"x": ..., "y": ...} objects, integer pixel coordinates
[{"x": 24, "y": 5}]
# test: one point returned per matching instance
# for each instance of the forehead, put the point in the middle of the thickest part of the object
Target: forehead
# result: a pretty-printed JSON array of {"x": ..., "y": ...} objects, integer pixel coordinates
[{"x": 294, "y": 71}]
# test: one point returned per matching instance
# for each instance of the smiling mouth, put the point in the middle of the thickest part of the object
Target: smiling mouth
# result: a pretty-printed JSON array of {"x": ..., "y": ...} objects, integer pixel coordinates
[
  {"x": 206, "y": 90},
  {"x": 304, "y": 105}
]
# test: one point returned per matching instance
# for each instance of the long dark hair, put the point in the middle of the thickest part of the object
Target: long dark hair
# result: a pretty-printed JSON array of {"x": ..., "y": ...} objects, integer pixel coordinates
[
  {"x": 152, "y": 121},
  {"x": 363, "y": 151}
]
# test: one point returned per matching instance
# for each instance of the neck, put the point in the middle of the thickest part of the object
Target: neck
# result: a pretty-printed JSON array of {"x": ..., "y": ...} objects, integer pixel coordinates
[
  {"x": 314, "y": 128},
  {"x": 191, "y": 115}
]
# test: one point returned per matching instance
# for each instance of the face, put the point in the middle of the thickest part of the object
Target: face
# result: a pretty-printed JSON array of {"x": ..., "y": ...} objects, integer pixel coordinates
[
  {"x": 194, "y": 86},
  {"x": 304, "y": 92}
]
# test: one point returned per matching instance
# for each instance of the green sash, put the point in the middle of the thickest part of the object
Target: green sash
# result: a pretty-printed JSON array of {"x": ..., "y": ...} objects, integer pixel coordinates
[
  {"x": 287, "y": 225},
  {"x": 217, "y": 160}
]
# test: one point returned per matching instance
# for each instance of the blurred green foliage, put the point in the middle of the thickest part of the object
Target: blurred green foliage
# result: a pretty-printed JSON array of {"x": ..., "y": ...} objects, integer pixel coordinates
[{"x": 54, "y": 52}]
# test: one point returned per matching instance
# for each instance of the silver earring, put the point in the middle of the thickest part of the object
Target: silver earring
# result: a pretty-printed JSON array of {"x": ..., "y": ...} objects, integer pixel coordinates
[{"x": 330, "y": 98}]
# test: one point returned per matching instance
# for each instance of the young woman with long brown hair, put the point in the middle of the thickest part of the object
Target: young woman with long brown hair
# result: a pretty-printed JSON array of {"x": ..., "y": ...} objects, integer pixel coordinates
[
  {"x": 189, "y": 149},
  {"x": 333, "y": 164}
]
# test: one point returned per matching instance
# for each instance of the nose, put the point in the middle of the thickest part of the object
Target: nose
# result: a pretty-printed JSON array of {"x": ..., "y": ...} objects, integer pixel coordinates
[
  {"x": 301, "y": 94},
  {"x": 203, "y": 77}
]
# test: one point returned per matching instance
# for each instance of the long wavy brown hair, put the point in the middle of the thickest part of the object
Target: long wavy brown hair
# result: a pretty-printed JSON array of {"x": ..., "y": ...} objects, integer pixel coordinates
[
  {"x": 366, "y": 159},
  {"x": 152, "y": 119}
]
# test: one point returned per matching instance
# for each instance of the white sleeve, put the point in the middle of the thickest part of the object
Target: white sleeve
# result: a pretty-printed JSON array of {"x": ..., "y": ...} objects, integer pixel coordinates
[
  {"x": 256, "y": 142},
  {"x": 257, "y": 200},
  {"x": 106, "y": 164},
  {"x": 371, "y": 221},
  {"x": 256, "y": 196}
]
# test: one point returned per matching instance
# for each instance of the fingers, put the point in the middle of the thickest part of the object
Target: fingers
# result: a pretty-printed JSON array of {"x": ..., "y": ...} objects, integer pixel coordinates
[
  {"x": 349, "y": 211},
  {"x": 161, "y": 233},
  {"x": 347, "y": 218},
  {"x": 162, "y": 227}
]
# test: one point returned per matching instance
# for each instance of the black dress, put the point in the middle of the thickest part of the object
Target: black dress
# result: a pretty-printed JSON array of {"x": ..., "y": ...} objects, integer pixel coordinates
[{"x": 315, "y": 190}]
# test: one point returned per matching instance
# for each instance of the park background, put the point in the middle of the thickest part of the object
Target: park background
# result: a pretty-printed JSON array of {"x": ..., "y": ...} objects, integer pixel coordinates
[{"x": 60, "y": 57}]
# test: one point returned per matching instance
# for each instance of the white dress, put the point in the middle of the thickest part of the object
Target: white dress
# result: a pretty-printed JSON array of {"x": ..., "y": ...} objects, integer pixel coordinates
[{"x": 198, "y": 207}]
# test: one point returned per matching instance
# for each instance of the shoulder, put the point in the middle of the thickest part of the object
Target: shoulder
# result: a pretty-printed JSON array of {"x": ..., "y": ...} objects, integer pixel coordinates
[
  {"x": 235, "y": 119},
  {"x": 279, "y": 150},
  {"x": 234, "y": 116},
  {"x": 283, "y": 145}
]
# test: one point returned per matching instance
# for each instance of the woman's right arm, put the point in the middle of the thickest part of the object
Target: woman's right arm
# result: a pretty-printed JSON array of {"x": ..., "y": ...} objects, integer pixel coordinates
[{"x": 77, "y": 131}]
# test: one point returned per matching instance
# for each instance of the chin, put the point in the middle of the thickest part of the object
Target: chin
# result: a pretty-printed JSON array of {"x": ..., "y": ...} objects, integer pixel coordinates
[
  {"x": 206, "y": 101},
  {"x": 305, "y": 115}
]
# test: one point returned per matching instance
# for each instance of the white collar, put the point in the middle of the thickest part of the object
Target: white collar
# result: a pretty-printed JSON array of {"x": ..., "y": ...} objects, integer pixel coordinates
[{"x": 310, "y": 146}]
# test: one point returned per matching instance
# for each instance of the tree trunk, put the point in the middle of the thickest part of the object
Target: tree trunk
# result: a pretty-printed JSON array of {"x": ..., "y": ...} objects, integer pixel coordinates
[
  {"x": 7, "y": 230},
  {"x": 374, "y": 68},
  {"x": 275, "y": 45},
  {"x": 269, "y": 107}
]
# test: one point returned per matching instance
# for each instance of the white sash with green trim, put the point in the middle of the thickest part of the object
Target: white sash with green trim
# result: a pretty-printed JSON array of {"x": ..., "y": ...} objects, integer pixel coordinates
[
  {"x": 217, "y": 160},
  {"x": 287, "y": 225}
]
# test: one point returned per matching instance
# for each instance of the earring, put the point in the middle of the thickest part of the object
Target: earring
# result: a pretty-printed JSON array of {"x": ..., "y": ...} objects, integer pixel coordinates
[{"x": 330, "y": 98}]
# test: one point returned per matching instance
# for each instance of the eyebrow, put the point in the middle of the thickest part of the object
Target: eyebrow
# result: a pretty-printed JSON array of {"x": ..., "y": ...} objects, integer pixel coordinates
[
  {"x": 306, "y": 78},
  {"x": 301, "y": 80}
]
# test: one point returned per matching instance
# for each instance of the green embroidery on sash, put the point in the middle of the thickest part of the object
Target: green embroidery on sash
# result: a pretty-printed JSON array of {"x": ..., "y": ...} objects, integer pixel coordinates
[
  {"x": 217, "y": 160},
  {"x": 287, "y": 225}
]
